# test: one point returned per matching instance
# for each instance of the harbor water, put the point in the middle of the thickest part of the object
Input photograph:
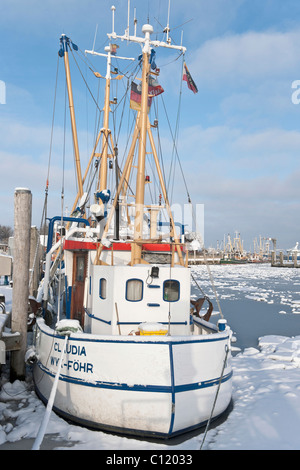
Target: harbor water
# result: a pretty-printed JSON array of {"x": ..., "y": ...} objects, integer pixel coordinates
[
  {"x": 255, "y": 299},
  {"x": 258, "y": 301}
]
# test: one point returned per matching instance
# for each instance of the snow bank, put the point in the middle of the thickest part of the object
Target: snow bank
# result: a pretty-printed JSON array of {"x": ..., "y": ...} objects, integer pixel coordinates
[{"x": 266, "y": 399}]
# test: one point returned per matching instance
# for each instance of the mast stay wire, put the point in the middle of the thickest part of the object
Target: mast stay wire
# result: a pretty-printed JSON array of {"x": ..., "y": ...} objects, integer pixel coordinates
[
  {"x": 176, "y": 152},
  {"x": 126, "y": 91},
  {"x": 62, "y": 208},
  {"x": 44, "y": 211},
  {"x": 176, "y": 134},
  {"x": 193, "y": 210},
  {"x": 97, "y": 106},
  {"x": 85, "y": 80}
]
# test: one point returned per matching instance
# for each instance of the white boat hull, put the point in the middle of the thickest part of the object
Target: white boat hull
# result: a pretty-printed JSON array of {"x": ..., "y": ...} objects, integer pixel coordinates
[{"x": 144, "y": 385}]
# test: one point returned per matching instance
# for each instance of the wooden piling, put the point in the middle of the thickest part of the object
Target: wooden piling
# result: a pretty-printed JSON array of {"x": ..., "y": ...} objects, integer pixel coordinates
[
  {"x": 273, "y": 258},
  {"x": 281, "y": 258},
  {"x": 295, "y": 259},
  {"x": 22, "y": 228}
]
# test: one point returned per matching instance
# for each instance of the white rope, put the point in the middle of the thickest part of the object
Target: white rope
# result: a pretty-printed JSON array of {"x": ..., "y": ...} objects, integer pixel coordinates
[{"x": 44, "y": 423}]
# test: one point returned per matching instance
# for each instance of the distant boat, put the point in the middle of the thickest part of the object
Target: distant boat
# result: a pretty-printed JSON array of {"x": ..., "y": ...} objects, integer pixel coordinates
[
  {"x": 137, "y": 359},
  {"x": 230, "y": 260},
  {"x": 294, "y": 252}
]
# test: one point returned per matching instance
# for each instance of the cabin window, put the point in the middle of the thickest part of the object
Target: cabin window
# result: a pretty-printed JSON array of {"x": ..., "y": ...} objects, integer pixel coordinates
[
  {"x": 102, "y": 288},
  {"x": 171, "y": 290},
  {"x": 134, "y": 290}
]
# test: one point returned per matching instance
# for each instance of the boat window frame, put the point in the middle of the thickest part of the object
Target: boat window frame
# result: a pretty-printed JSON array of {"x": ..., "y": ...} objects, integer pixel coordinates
[
  {"x": 163, "y": 290},
  {"x": 100, "y": 288},
  {"x": 126, "y": 289}
]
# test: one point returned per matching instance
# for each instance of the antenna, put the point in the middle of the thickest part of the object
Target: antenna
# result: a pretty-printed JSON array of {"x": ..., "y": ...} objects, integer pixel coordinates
[
  {"x": 113, "y": 18},
  {"x": 135, "y": 21},
  {"x": 128, "y": 17},
  {"x": 95, "y": 37},
  {"x": 147, "y": 30},
  {"x": 167, "y": 29}
]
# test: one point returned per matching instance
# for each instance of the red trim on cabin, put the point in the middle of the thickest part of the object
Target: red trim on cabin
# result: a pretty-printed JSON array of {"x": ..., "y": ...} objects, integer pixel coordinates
[
  {"x": 156, "y": 247},
  {"x": 85, "y": 245},
  {"x": 79, "y": 245}
]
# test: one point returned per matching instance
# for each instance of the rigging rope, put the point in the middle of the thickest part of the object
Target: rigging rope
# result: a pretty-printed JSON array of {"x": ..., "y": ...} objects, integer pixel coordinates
[
  {"x": 107, "y": 141},
  {"x": 62, "y": 211},
  {"x": 85, "y": 80},
  {"x": 176, "y": 152},
  {"x": 52, "y": 126},
  {"x": 44, "y": 211},
  {"x": 188, "y": 194}
]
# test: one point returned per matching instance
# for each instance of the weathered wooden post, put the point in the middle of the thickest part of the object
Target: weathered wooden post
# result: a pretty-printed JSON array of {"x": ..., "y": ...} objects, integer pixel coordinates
[
  {"x": 22, "y": 227},
  {"x": 273, "y": 258},
  {"x": 281, "y": 258},
  {"x": 295, "y": 259}
]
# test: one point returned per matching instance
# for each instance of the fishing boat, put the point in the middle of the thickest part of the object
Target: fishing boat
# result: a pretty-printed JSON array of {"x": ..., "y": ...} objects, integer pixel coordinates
[
  {"x": 131, "y": 353},
  {"x": 294, "y": 253}
]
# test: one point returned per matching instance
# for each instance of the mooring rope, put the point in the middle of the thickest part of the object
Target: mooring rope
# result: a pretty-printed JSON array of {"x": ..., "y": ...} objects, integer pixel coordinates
[
  {"x": 42, "y": 429},
  {"x": 227, "y": 349}
]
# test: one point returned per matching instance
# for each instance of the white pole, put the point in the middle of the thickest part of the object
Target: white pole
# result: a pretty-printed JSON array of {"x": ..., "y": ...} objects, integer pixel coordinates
[
  {"x": 113, "y": 18},
  {"x": 128, "y": 17},
  {"x": 44, "y": 424}
]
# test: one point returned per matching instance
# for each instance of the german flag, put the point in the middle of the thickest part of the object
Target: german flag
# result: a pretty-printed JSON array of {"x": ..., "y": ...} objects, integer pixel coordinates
[{"x": 136, "y": 96}]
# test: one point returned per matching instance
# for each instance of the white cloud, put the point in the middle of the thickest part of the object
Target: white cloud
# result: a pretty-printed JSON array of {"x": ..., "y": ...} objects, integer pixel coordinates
[
  {"x": 236, "y": 152},
  {"x": 237, "y": 59},
  {"x": 24, "y": 155},
  {"x": 269, "y": 140}
]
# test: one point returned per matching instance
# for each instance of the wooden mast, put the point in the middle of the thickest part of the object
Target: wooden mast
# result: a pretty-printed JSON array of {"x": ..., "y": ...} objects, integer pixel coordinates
[
  {"x": 136, "y": 249},
  {"x": 65, "y": 42},
  {"x": 122, "y": 182},
  {"x": 102, "y": 183}
]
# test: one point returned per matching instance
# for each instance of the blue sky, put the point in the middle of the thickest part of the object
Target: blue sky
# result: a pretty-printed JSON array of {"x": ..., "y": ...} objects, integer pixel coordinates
[{"x": 239, "y": 139}]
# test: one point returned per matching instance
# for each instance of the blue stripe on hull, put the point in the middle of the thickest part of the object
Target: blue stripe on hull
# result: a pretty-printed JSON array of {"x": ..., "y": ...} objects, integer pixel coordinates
[
  {"x": 139, "y": 388},
  {"x": 127, "y": 431}
]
